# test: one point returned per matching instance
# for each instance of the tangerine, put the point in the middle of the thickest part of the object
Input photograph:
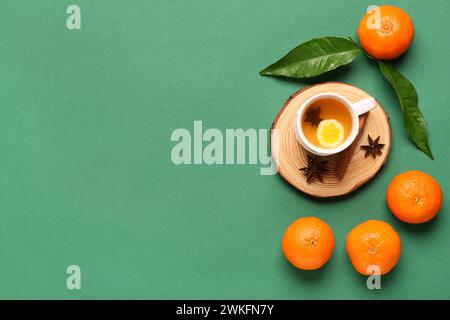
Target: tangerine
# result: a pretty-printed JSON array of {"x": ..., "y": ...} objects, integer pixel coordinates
[
  {"x": 386, "y": 32},
  {"x": 308, "y": 243},
  {"x": 371, "y": 244},
  {"x": 414, "y": 197}
]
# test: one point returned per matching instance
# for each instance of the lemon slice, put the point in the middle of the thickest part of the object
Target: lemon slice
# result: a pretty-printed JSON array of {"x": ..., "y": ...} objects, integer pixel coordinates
[{"x": 330, "y": 133}]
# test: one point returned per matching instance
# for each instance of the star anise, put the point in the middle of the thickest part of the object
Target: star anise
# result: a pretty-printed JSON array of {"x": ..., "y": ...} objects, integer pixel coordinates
[
  {"x": 373, "y": 148},
  {"x": 315, "y": 168},
  {"x": 312, "y": 115}
]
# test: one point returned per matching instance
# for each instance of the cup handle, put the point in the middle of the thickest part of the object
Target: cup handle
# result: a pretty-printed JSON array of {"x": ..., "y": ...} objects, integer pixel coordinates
[{"x": 364, "y": 106}]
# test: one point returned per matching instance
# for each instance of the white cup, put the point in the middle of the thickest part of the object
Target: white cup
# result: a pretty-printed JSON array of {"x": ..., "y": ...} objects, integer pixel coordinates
[{"x": 355, "y": 109}]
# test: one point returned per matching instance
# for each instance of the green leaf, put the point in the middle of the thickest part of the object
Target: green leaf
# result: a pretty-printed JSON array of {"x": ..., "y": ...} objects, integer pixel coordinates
[
  {"x": 409, "y": 103},
  {"x": 314, "y": 58}
]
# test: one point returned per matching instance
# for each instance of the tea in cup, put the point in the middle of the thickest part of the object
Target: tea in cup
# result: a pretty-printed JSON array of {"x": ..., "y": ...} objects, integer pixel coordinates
[{"x": 327, "y": 123}]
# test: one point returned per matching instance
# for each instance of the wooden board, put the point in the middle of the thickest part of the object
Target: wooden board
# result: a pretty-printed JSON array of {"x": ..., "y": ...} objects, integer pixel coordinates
[{"x": 290, "y": 156}]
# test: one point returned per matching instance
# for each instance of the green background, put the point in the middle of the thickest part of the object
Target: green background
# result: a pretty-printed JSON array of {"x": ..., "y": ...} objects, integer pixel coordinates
[{"x": 86, "y": 176}]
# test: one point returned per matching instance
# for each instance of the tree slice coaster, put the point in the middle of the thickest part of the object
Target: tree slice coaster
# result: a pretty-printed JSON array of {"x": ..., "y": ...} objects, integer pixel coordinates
[{"x": 290, "y": 156}]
